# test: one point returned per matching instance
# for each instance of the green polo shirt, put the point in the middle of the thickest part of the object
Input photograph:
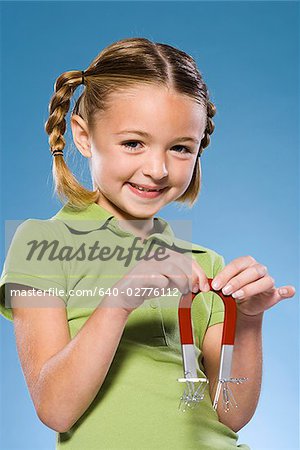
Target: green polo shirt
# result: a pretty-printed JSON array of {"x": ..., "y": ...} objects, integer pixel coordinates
[{"x": 137, "y": 405}]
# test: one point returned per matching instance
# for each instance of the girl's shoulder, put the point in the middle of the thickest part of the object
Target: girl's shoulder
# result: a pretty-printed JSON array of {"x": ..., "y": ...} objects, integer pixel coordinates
[
  {"x": 33, "y": 229},
  {"x": 54, "y": 226}
]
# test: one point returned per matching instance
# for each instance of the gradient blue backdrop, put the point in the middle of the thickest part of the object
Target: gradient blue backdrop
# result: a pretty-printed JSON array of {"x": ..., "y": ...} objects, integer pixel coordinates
[{"x": 248, "y": 54}]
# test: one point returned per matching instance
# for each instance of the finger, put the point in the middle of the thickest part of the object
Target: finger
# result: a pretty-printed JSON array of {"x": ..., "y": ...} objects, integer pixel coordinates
[
  {"x": 271, "y": 300},
  {"x": 278, "y": 296},
  {"x": 232, "y": 269},
  {"x": 194, "y": 272},
  {"x": 161, "y": 281},
  {"x": 257, "y": 287},
  {"x": 199, "y": 278},
  {"x": 286, "y": 291},
  {"x": 249, "y": 275},
  {"x": 177, "y": 275}
]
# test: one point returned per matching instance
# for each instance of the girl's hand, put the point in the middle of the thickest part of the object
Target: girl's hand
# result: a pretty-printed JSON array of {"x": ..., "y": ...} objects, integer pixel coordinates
[
  {"x": 175, "y": 271},
  {"x": 250, "y": 284}
]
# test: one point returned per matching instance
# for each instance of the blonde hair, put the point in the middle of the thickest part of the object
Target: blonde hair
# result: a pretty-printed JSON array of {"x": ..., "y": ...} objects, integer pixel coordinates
[{"x": 120, "y": 65}]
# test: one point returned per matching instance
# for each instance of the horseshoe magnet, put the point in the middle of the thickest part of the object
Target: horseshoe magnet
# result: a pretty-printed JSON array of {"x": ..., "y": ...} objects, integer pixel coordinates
[{"x": 192, "y": 395}]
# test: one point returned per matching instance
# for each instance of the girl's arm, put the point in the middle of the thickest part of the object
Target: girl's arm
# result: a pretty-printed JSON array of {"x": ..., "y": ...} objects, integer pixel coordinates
[
  {"x": 254, "y": 290},
  {"x": 63, "y": 374},
  {"x": 247, "y": 362}
]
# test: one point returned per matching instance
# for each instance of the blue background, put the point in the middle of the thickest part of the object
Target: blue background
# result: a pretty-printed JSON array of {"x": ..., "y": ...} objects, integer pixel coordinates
[{"x": 249, "y": 55}]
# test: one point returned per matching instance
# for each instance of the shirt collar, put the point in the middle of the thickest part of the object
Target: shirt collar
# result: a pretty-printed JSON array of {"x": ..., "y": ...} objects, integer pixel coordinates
[
  {"x": 163, "y": 232},
  {"x": 91, "y": 212}
]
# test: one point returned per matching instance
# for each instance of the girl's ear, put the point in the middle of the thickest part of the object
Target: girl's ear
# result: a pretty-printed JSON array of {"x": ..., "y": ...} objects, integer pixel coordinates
[{"x": 81, "y": 135}]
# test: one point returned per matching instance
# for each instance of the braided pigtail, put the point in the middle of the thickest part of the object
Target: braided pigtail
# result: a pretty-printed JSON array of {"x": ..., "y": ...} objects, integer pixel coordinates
[
  {"x": 210, "y": 126},
  {"x": 66, "y": 185}
]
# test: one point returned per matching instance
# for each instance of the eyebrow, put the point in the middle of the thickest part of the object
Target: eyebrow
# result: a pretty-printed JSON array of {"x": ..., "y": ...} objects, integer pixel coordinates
[{"x": 145, "y": 134}]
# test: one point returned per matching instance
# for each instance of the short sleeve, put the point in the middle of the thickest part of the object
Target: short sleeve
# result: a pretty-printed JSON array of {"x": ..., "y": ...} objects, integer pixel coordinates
[
  {"x": 27, "y": 263},
  {"x": 217, "y": 310}
]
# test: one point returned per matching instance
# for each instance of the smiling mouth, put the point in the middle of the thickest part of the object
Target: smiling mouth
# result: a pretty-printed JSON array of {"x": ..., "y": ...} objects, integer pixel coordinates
[{"x": 142, "y": 189}]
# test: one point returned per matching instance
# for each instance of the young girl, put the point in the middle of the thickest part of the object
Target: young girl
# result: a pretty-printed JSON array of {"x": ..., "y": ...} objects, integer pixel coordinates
[{"x": 106, "y": 377}]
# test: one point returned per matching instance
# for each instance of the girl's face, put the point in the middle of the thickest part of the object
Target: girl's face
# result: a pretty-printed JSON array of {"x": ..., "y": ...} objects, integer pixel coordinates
[{"x": 148, "y": 136}]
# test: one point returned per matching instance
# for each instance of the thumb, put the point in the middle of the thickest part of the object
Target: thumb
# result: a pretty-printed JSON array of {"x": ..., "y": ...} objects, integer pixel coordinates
[{"x": 284, "y": 292}]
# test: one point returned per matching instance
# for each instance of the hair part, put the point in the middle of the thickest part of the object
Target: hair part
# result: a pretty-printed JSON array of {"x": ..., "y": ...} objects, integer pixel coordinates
[{"x": 123, "y": 64}]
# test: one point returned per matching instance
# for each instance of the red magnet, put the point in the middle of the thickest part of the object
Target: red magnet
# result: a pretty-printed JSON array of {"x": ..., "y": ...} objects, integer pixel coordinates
[{"x": 191, "y": 395}]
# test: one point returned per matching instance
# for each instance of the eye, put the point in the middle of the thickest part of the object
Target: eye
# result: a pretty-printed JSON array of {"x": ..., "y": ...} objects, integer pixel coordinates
[
  {"x": 127, "y": 144},
  {"x": 186, "y": 149},
  {"x": 132, "y": 145}
]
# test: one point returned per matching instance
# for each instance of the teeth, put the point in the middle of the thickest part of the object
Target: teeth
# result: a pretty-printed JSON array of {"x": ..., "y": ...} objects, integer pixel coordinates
[{"x": 144, "y": 189}]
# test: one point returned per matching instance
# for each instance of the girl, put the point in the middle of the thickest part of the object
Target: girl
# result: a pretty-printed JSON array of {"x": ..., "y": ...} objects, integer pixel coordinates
[{"x": 106, "y": 377}]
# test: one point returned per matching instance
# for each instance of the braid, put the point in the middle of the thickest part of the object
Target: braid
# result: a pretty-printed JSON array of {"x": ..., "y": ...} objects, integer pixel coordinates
[
  {"x": 59, "y": 106},
  {"x": 66, "y": 184},
  {"x": 210, "y": 126}
]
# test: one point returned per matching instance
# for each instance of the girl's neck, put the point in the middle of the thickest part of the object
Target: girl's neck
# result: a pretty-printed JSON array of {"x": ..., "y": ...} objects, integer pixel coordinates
[{"x": 139, "y": 227}]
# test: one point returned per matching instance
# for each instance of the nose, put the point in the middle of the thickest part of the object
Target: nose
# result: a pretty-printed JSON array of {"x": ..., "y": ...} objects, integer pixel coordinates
[{"x": 155, "y": 165}]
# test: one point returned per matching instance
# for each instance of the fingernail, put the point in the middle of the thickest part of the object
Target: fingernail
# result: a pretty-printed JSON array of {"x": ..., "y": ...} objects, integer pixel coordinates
[
  {"x": 283, "y": 291},
  {"x": 206, "y": 287},
  {"x": 227, "y": 289},
  {"x": 215, "y": 285},
  {"x": 238, "y": 294},
  {"x": 195, "y": 288}
]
